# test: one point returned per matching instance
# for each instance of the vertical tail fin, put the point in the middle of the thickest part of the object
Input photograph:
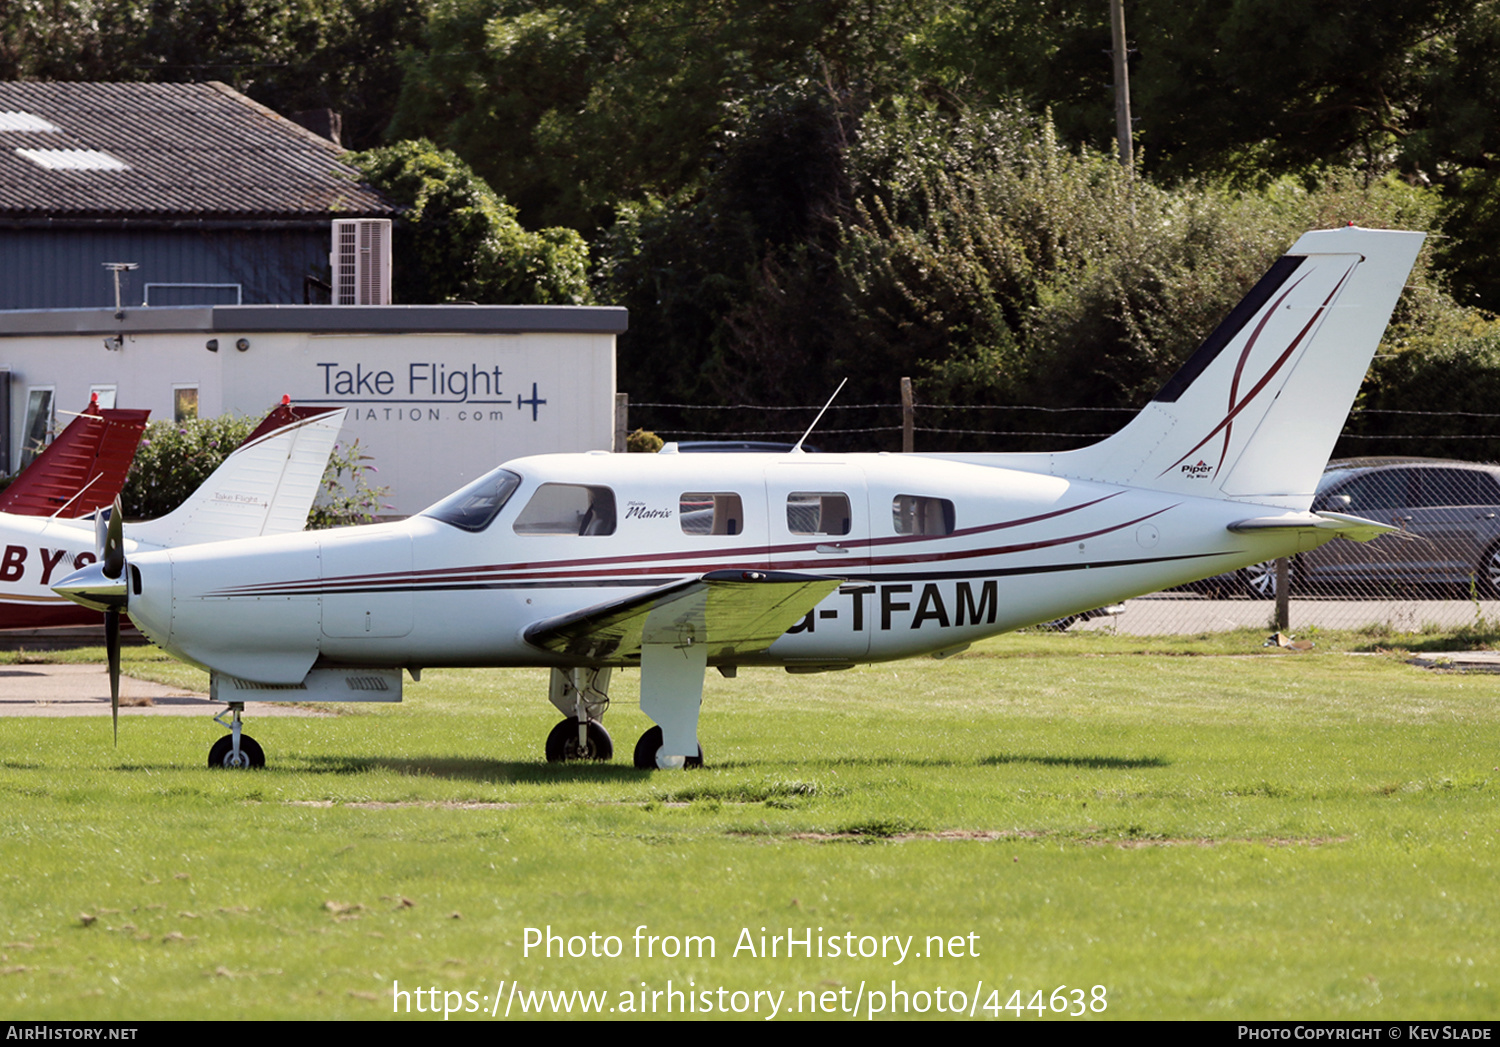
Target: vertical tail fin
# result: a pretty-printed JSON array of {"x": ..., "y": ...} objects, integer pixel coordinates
[
  {"x": 83, "y": 469},
  {"x": 1254, "y": 413},
  {"x": 266, "y": 486}
]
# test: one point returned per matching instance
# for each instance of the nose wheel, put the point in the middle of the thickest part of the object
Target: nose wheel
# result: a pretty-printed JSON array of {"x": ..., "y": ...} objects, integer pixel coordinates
[
  {"x": 571, "y": 740},
  {"x": 223, "y": 753},
  {"x": 236, "y": 749}
]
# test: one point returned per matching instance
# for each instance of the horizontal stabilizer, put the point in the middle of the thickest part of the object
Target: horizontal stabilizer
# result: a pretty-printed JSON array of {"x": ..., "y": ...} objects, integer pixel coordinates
[
  {"x": 1355, "y": 528},
  {"x": 735, "y": 613}
]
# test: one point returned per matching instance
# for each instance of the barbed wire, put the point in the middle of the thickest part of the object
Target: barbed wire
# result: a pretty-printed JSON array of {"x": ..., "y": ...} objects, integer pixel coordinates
[
  {"x": 720, "y": 434},
  {"x": 762, "y": 407},
  {"x": 1004, "y": 407}
]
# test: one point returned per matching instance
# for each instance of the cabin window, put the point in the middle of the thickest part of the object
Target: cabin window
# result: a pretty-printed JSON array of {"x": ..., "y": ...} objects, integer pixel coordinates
[
  {"x": 818, "y": 512},
  {"x": 703, "y": 512},
  {"x": 472, "y": 508},
  {"x": 568, "y": 509},
  {"x": 913, "y": 514}
]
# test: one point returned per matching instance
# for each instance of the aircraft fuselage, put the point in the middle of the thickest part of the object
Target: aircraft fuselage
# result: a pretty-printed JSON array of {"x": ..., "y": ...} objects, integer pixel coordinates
[{"x": 932, "y": 555}]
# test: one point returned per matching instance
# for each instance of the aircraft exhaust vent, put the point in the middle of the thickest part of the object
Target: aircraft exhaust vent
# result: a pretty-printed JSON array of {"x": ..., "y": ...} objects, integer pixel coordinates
[{"x": 361, "y": 261}]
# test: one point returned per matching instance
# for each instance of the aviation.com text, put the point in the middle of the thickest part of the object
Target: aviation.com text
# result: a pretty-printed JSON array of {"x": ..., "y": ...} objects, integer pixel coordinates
[{"x": 512, "y": 1000}]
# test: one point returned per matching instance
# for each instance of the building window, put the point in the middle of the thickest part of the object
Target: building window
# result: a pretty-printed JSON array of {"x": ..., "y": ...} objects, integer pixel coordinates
[
  {"x": 106, "y": 395},
  {"x": 184, "y": 403},
  {"x": 38, "y": 432}
]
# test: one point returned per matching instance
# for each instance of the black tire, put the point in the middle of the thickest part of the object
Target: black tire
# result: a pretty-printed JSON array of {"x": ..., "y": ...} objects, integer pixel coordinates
[
  {"x": 650, "y": 743},
  {"x": 562, "y": 743},
  {"x": 251, "y": 754}
]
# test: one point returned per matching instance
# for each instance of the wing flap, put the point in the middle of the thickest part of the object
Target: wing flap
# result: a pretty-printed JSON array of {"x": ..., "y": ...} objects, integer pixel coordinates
[{"x": 734, "y": 612}]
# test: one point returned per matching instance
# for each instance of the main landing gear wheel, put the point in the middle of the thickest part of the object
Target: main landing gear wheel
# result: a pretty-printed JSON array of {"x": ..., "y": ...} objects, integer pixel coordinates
[
  {"x": 250, "y": 755},
  {"x": 562, "y": 743},
  {"x": 647, "y": 748}
]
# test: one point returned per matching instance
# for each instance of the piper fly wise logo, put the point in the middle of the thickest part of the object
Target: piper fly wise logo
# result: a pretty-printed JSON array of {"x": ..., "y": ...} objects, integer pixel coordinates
[
  {"x": 426, "y": 391},
  {"x": 1198, "y": 471}
]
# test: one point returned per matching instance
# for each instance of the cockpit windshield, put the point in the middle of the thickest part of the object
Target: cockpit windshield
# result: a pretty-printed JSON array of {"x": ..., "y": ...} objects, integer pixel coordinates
[{"x": 472, "y": 508}]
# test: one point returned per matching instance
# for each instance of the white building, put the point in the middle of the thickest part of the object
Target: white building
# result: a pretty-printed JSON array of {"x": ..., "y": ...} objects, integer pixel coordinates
[{"x": 437, "y": 395}]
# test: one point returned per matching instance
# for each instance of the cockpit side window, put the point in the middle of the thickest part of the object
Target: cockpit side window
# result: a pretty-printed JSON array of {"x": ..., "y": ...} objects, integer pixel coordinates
[
  {"x": 913, "y": 514},
  {"x": 472, "y": 508},
  {"x": 568, "y": 509},
  {"x": 704, "y": 512}
]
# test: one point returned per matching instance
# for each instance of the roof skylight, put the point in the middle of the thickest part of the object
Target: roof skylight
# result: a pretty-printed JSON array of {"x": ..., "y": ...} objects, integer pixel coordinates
[
  {"x": 73, "y": 160},
  {"x": 12, "y": 120}
]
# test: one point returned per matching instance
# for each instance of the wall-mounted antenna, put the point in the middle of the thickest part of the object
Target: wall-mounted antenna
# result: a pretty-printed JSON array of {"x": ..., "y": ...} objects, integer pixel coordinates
[{"x": 815, "y": 421}]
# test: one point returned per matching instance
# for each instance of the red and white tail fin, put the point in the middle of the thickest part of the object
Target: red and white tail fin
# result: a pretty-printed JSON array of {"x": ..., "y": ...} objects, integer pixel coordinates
[
  {"x": 1253, "y": 415},
  {"x": 266, "y": 486},
  {"x": 83, "y": 469}
]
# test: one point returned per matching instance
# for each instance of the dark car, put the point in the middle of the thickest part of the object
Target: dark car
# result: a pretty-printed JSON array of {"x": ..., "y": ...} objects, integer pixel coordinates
[{"x": 1449, "y": 516}]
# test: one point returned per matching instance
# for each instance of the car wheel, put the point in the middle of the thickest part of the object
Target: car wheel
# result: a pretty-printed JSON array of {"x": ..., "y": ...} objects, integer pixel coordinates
[
  {"x": 1487, "y": 576},
  {"x": 1259, "y": 580}
]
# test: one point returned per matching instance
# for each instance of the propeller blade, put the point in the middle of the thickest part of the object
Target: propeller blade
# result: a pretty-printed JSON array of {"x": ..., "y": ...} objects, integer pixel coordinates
[
  {"x": 114, "y": 543},
  {"x": 112, "y": 644}
]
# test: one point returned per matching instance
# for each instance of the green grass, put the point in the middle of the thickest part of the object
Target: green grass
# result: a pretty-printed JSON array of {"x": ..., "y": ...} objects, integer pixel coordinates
[{"x": 1205, "y": 829}]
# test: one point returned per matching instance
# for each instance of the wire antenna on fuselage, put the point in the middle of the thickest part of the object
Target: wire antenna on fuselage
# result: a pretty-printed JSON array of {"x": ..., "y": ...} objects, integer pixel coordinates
[{"x": 815, "y": 421}]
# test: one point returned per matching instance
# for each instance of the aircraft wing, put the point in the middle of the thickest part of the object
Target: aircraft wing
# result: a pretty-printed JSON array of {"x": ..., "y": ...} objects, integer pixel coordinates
[
  {"x": 734, "y": 612},
  {"x": 1356, "y": 528}
]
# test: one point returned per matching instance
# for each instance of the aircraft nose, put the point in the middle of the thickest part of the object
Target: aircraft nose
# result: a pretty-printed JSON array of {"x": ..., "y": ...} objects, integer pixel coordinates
[{"x": 93, "y": 589}]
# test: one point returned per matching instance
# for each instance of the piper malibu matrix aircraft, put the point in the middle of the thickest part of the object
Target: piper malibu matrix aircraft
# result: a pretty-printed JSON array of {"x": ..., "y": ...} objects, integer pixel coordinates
[
  {"x": 677, "y": 563},
  {"x": 265, "y": 486}
]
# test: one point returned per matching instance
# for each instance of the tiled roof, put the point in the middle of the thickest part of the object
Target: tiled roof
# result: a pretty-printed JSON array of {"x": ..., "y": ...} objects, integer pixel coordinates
[{"x": 165, "y": 151}]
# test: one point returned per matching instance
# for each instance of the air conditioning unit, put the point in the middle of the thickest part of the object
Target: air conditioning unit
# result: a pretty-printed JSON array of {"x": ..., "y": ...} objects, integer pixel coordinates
[{"x": 361, "y": 261}]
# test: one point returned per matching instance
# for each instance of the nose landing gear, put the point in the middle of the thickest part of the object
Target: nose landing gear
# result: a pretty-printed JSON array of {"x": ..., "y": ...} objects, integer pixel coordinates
[{"x": 236, "y": 749}]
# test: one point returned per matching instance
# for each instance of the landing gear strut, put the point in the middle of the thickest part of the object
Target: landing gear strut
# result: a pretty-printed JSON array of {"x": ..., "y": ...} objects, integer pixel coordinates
[
  {"x": 581, "y": 695},
  {"x": 235, "y": 749}
]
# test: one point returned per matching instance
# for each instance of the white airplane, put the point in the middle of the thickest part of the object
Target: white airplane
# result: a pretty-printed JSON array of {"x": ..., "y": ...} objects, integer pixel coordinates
[
  {"x": 678, "y": 563},
  {"x": 265, "y": 486}
]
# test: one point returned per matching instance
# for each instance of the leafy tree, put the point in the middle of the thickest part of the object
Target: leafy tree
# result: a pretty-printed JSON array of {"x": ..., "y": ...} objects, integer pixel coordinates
[
  {"x": 978, "y": 254},
  {"x": 457, "y": 240},
  {"x": 288, "y": 54},
  {"x": 573, "y": 109}
]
